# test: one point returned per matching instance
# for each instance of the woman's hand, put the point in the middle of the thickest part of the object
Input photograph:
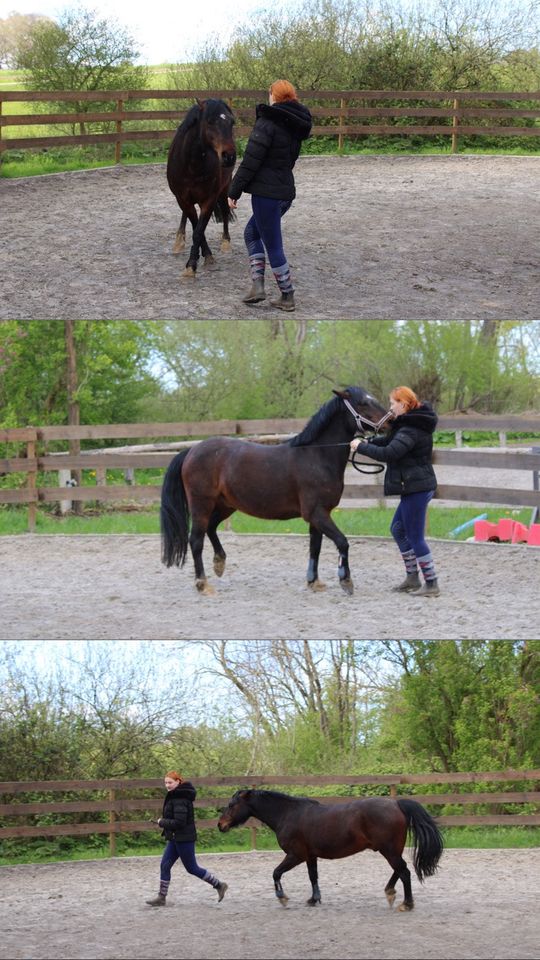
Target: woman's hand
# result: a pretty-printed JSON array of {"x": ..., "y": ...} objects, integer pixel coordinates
[
  {"x": 355, "y": 443},
  {"x": 232, "y": 203}
]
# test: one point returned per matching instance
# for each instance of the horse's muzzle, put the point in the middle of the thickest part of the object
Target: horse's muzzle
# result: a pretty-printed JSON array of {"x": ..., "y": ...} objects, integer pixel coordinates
[{"x": 228, "y": 159}]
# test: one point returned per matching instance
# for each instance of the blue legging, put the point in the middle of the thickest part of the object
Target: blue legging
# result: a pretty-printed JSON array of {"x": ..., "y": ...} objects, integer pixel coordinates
[
  {"x": 185, "y": 851},
  {"x": 409, "y": 522},
  {"x": 263, "y": 229}
]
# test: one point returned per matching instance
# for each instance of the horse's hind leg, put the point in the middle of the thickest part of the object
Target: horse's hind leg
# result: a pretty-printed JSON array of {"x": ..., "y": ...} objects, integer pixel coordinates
[
  {"x": 288, "y": 863},
  {"x": 314, "y": 877},
  {"x": 219, "y": 554},
  {"x": 180, "y": 239},
  {"x": 199, "y": 525},
  {"x": 315, "y": 541},
  {"x": 401, "y": 872},
  {"x": 223, "y": 204}
]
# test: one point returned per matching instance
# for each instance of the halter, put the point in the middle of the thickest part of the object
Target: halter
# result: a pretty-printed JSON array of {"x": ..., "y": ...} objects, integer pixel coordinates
[{"x": 360, "y": 420}]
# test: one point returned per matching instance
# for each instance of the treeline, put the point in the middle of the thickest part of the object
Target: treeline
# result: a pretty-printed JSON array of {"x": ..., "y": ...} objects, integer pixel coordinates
[
  {"x": 128, "y": 709},
  {"x": 162, "y": 371}
]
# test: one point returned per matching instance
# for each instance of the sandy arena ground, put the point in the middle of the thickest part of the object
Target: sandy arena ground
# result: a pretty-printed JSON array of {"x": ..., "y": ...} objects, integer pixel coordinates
[
  {"x": 115, "y": 587},
  {"x": 480, "y": 904},
  {"x": 405, "y": 237}
]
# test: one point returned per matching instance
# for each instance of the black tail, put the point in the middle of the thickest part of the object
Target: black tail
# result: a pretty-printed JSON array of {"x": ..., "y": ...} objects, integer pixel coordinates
[
  {"x": 428, "y": 841},
  {"x": 174, "y": 514}
]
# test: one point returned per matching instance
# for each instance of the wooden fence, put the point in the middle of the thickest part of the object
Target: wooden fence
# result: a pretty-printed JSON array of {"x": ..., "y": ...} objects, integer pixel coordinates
[
  {"x": 337, "y": 113},
  {"x": 36, "y": 459},
  {"x": 116, "y": 804}
]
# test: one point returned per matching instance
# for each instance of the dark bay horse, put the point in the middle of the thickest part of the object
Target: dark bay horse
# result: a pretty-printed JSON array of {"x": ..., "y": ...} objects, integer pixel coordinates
[
  {"x": 199, "y": 170},
  {"x": 302, "y": 477},
  {"x": 306, "y": 829}
]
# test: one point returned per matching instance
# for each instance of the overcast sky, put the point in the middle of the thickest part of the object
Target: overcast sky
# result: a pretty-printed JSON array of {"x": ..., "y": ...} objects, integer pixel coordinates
[{"x": 165, "y": 30}]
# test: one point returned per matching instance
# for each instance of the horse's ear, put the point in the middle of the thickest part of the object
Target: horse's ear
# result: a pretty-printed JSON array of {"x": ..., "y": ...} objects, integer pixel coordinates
[
  {"x": 200, "y": 103},
  {"x": 340, "y": 393}
]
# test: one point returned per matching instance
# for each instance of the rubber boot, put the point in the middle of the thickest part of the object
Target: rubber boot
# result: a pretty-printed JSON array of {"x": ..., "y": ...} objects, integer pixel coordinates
[
  {"x": 222, "y": 890},
  {"x": 410, "y": 583},
  {"x": 285, "y": 302},
  {"x": 256, "y": 294},
  {"x": 158, "y": 901},
  {"x": 429, "y": 589}
]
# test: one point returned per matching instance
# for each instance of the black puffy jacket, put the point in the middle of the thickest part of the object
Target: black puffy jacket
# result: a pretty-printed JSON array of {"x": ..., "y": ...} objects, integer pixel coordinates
[
  {"x": 272, "y": 151},
  {"x": 407, "y": 450},
  {"x": 178, "y": 818}
]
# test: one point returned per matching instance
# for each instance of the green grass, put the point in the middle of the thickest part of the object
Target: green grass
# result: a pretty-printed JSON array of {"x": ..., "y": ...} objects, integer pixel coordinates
[{"x": 369, "y": 521}]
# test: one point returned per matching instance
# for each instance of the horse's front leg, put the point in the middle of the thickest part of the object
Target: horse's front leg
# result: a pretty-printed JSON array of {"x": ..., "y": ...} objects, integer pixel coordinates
[
  {"x": 190, "y": 269},
  {"x": 321, "y": 519},
  {"x": 288, "y": 863},
  {"x": 315, "y": 541},
  {"x": 314, "y": 877},
  {"x": 199, "y": 242}
]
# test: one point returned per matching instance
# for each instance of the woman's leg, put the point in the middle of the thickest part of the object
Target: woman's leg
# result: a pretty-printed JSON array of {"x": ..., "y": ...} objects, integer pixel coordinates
[
  {"x": 414, "y": 509},
  {"x": 398, "y": 531},
  {"x": 268, "y": 214},
  {"x": 257, "y": 261},
  {"x": 186, "y": 851},
  {"x": 169, "y": 858}
]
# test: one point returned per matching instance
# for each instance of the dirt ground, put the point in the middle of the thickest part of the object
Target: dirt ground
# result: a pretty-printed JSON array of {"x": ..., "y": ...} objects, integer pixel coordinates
[
  {"x": 115, "y": 587},
  {"x": 480, "y": 904},
  {"x": 406, "y": 237}
]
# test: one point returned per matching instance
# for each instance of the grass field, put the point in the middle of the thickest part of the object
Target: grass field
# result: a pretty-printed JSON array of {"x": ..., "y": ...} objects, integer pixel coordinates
[{"x": 135, "y": 519}]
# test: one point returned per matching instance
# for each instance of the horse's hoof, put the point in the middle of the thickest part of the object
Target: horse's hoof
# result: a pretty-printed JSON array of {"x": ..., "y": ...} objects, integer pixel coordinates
[
  {"x": 390, "y": 896},
  {"x": 188, "y": 274},
  {"x": 347, "y": 586},
  {"x": 316, "y": 585},
  {"x": 405, "y": 907},
  {"x": 225, "y": 246},
  {"x": 205, "y": 588},
  {"x": 283, "y": 901},
  {"x": 219, "y": 566},
  {"x": 178, "y": 246},
  {"x": 312, "y": 902},
  {"x": 209, "y": 261}
]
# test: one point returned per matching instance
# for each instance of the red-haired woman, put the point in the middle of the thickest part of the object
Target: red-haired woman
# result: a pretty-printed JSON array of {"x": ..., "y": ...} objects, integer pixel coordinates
[
  {"x": 266, "y": 172},
  {"x": 407, "y": 450},
  {"x": 178, "y": 826}
]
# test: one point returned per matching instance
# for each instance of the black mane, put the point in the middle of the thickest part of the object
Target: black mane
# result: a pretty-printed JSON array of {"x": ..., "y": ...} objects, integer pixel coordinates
[{"x": 318, "y": 422}]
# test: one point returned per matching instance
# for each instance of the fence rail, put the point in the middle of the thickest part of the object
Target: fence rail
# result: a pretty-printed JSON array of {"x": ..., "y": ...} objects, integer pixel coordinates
[
  {"x": 39, "y": 460},
  {"x": 114, "y": 806},
  {"x": 347, "y": 114}
]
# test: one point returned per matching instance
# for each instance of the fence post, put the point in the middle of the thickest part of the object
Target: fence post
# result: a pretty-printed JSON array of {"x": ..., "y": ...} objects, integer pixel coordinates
[
  {"x": 536, "y": 486},
  {"x": 342, "y": 117},
  {"x": 118, "y": 143},
  {"x": 31, "y": 482},
  {"x": 455, "y": 123},
  {"x": 459, "y": 438},
  {"x": 112, "y": 819}
]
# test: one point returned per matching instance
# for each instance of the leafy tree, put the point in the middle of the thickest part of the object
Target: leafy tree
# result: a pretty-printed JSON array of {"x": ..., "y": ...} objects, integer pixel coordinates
[
  {"x": 14, "y": 31},
  {"x": 79, "y": 52},
  {"x": 112, "y": 370}
]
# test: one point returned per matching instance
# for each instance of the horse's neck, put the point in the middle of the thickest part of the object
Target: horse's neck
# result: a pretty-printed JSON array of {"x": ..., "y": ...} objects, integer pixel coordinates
[{"x": 264, "y": 811}]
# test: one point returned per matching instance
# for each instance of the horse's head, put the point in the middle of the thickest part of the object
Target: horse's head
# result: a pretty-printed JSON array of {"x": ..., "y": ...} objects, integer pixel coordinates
[
  {"x": 236, "y": 812},
  {"x": 217, "y": 122},
  {"x": 364, "y": 410}
]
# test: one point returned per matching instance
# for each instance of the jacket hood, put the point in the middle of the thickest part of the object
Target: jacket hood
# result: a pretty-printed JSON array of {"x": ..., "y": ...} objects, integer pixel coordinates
[
  {"x": 186, "y": 791},
  {"x": 423, "y": 418},
  {"x": 291, "y": 114}
]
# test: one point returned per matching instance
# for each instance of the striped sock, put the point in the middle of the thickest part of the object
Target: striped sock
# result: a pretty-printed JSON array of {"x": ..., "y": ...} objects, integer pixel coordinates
[
  {"x": 257, "y": 264},
  {"x": 164, "y": 887},
  {"x": 409, "y": 559},
  {"x": 210, "y": 878},
  {"x": 283, "y": 278},
  {"x": 427, "y": 567}
]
